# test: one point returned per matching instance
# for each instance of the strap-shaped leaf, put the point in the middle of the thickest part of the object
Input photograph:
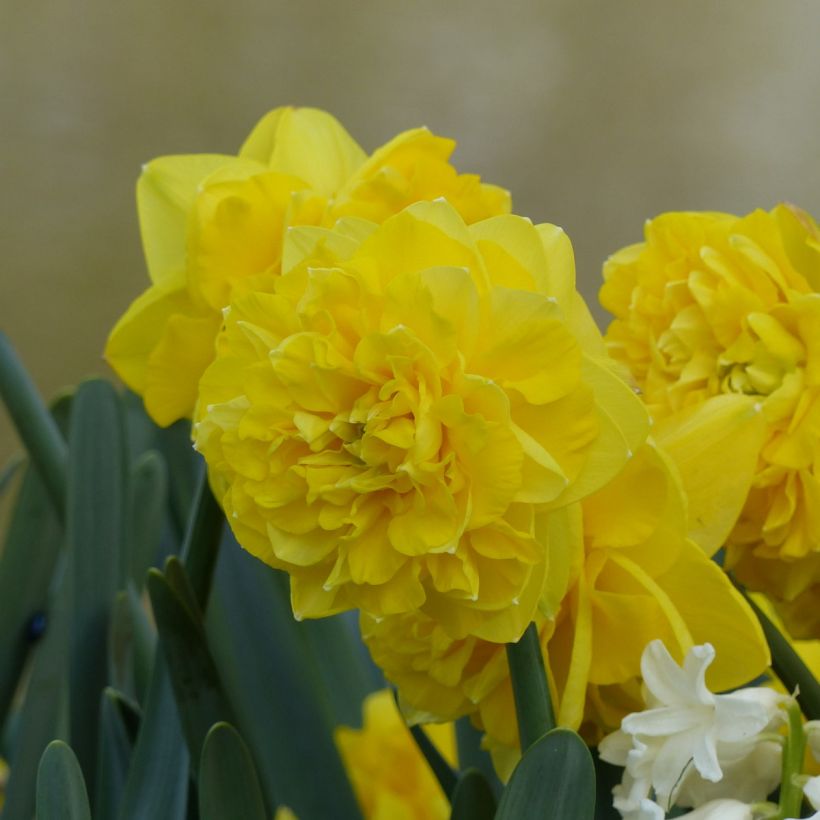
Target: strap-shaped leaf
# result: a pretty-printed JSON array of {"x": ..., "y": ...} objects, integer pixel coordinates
[
  {"x": 473, "y": 798},
  {"x": 157, "y": 783},
  {"x": 472, "y": 756},
  {"x": 554, "y": 780},
  {"x": 44, "y": 715},
  {"x": 197, "y": 687},
  {"x": 95, "y": 532},
  {"x": 61, "y": 793},
  {"x": 35, "y": 426},
  {"x": 131, "y": 645},
  {"x": 275, "y": 689},
  {"x": 27, "y": 562},
  {"x": 116, "y": 746},
  {"x": 228, "y": 784},
  {"x": 789, "y": 666},
  {"x": 147, "y": 506}
]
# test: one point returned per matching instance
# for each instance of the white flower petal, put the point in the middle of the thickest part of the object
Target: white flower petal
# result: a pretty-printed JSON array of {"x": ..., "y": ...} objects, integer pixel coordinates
[
  {"x": 812, "y": 792},
  {"x": 615, "y": 747},
  {"x": 737, "y": 718},
  {"x": 697, "y": 661},
  {"x": 706, "y": 759},
  {"x": 662, "y": 676},
  {"x": 665, "y": 720}
]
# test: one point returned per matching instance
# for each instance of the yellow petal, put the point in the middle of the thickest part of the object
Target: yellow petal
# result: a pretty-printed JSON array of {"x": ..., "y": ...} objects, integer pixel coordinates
[
  {"x": 715, "y": 448},
  {"x": 165, "y": 195},
  {"x": 714, "y": 611},
  {"x": 307, "y": 143}
]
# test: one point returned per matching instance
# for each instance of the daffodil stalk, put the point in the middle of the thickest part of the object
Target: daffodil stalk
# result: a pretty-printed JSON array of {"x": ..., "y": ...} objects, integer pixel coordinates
[
  {"x": 533, "y": 705},
  {"x": 791, "y": 789}
]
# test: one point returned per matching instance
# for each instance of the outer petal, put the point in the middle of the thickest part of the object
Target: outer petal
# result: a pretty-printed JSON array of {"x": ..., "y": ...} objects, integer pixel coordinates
[
  {"x": 715, "y": 612},
  {"x": 308, "y": 143},
  {"x": 165, "y": 194},
  {"x": 715, "y": 448}
]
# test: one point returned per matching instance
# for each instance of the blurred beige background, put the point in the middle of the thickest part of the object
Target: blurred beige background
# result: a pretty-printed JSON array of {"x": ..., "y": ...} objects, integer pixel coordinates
[{"x": 595, "y": 114}]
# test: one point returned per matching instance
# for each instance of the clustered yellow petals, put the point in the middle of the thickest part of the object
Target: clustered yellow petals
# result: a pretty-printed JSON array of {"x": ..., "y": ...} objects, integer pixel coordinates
[
  {"x": 213, "y": 227},
  {"x": 390, "y": 777},
  {"x": 394, "y": 422},
  {"x": 630, "y": 575},
  {"x": 713, "y": 305}
]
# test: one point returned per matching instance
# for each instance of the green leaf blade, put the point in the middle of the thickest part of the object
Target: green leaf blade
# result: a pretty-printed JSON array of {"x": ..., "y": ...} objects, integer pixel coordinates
[
  {"x": 473, "y": 799},
  {"x": 554, "y": 780},
  {"x": 61, "y": 792},
  {"x": 228, "y": 784}
]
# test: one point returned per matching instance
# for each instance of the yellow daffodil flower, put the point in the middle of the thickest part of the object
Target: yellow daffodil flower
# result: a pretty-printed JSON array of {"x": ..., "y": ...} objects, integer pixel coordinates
[
  {"x": 624, "y": 573},
  {"x": 395, "y": 422},
  {"x": 389, "y": 775},
  {"x": 711, "y": 310},
  {"x": 213, "y": 225}
]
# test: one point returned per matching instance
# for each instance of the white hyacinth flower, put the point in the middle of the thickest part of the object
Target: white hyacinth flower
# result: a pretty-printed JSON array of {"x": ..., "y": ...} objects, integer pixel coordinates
[{"x": 685, "y": 732}]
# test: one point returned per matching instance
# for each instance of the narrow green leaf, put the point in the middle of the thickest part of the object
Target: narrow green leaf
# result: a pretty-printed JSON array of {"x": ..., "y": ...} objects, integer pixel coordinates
[
  {"x": 473, "y": 799},
  {"x": 228, "y": 784},
  {"x": 201, "y": 546},
  {"x": 131, "y": 644},
  {"x": 533, "y": 705},
  {"x": 157, "y": 782},
  {"x": 44, "y": 715},
  {"x": 114, "y": 755},
  {"x": 554, "y": 780},
  {"x": 95, "y": 530},
  {"x": 35, "y": 426},
  {"x": 442, "y": 770},
  {"x": 148, "y": 500},
  {"x": 789, "y": 666},
  {"x": 472, "y": 756},
  {"x": 61, "y": 793},
  {"x": 348, "y": 674},
  {"x": 607, "y": 776},
  {"x": 197, "y": 687},
  {"x": 185, "y": 467},
  {"x": 27, "y": 561},
  {"x": 10, "y": 470},
  {"x": 177, "y": 579},
  {"x": 275, "y": 689}
]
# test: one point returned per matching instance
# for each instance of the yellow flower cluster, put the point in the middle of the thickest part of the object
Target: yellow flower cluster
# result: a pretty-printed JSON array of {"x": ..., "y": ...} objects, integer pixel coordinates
[
  {"x": 390, "y": 777},
  {"x": 404, "y": 403},
  {"x": 394, "y": 423},
  {"x": 213, "y": 225},
  {"x": 712, "y": 305},
  {"x": 629, "y": 575}
]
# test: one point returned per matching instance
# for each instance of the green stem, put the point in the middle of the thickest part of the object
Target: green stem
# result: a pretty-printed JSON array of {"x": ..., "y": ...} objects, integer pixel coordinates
[
  {"x": 533, "y": 705},
  {"x": 789, "y": 667},
  {"x": 35, "y": 426},
  {"x": 791, "y": 792}
]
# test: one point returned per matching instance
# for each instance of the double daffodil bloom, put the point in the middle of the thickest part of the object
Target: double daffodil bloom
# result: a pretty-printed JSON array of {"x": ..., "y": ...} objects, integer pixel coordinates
[
  {"x": 622, "y": 573},
  {"x": 396, "y": 421},
  {"x": 712, "y": 308},
  {"x": 389, "y": 775},
  {"x": 213, "y": 226}
]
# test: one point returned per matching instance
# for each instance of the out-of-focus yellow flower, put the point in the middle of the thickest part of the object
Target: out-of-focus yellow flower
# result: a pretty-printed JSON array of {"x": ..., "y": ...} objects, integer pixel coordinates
[
  {"x": 631, "y": 575},
  {"x": 213, "y": 225},
  {"x": 4, "y": 776},
  {"x": 390, "y": 777},
  {"x": 713, "y": 306},
  {"x": 395, "y": 423},
  {"x": 284, "y": 813}
]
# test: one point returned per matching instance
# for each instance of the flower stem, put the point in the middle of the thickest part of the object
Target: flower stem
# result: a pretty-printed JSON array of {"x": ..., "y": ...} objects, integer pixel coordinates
[
  {"x": 533, "y": 705},
  {"x": 791, "y": 792}
]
